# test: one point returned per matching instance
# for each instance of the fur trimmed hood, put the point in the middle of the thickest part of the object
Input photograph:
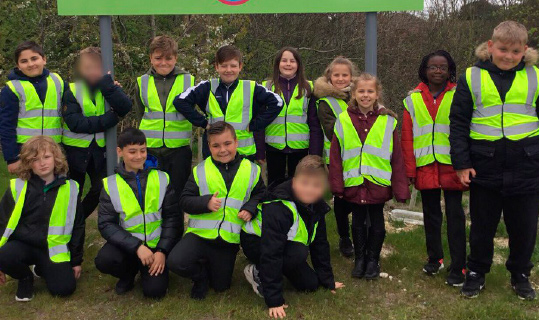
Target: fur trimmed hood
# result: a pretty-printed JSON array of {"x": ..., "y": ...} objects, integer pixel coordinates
[
  {"x": 322, "y": 88},
  {"x": 530, "y": 57},
  {"x": 385, "y": 111}
]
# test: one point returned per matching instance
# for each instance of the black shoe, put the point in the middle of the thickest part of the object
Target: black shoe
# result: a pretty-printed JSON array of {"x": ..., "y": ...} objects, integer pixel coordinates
[
  {"x": 455, "y": 278},
  {"x": 522, "y": 287},
  {"x": 200, "y": 288},
  {"x": 123, "y": 286},
  {"x": 474, "y": 283},
  {"x": 346, "y": 248},
  {"x": 252, "y": 275},
  {"x": 372, "y": 271},
  {"x": 432, "y": 267},
  {"x": 25, "y": 289},
  {"x": 359, "y": 268}
]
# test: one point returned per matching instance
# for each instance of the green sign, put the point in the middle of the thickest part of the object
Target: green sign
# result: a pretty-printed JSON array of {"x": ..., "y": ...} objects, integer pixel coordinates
[{"x": 145, "y": 7}]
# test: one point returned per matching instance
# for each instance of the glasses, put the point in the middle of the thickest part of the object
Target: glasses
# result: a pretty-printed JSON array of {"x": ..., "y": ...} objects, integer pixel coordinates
[{"x": 435, "y": 68}]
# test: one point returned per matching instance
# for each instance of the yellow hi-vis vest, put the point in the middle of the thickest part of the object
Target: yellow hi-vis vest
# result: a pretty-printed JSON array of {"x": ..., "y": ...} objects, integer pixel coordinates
[
  {"x": 61, "y": 221},
  {"x": 165, "y": 127},
  {"x": 337, "y": 106},
  {"x": 239, "y": 113},
  {"x": 371, "y": 160},
  {"x": 223, "y": 223},
  {"x": 36, "y": 118},
  {"x": 494, "y": 119},
  {"x": 290, "y": 128},
  {"x": 89, "y": 109},
  {"x": 431, "y": 137},
  {"x": 297, "y": 233},
  {"x": 144, "y": 224}
]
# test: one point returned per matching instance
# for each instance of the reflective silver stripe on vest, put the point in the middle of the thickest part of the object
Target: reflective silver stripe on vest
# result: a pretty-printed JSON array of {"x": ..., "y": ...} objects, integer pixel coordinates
[
  {"x": 152, "y": 236},
  {"x": 144, "y": 81},
  {"x": 84, "y": 136},
  {"x": 233, "y": 203},
  {"x": 141, "y": 219},
  {"x": 79, "y": 94},
  {"x": 295, "y": 226},
  {"x": 252, "y": 178},
  {"x": 246, "y": 142},
  {"x": 58, "y": 85},
  {"x": 214, "y": 225},
  {"x": 42, "y": 111},
  {"x": 335, "y": 106},
  {"x": 246, "y": 110},
  {"x": 383, "y": 152},
  {"x": 7, "y": 233},
  {"x": 290, "y": 137},
  {"x": 249, "y": 227},
  {"x": 37, "y": 132},
  {"x": 19, "y": 185},
  {"x": 203, "y": 187},
  {"x": 158, "y": 134},
  {"x": 159, "y": 115},
  {"x": 61, "y": 248}
]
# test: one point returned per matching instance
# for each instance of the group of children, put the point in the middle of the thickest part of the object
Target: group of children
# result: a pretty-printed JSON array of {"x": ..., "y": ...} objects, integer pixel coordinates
[{"x": 480, "y": 134}]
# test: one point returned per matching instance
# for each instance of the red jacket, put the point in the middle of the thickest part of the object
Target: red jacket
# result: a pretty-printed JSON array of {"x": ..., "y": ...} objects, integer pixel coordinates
[
  {"x": 368, "y": 192},
  {"x": 435, "y": 175}
]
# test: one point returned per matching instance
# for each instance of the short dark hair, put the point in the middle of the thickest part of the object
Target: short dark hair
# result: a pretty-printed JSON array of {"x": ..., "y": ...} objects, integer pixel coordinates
[
  {"x": 227, "y": 53},
  {"x": 27, "y": 45},
  {"x": 131, "y": 136},
  {"x": 422, "y": 72},
  {"x": 220, "y": 127}
]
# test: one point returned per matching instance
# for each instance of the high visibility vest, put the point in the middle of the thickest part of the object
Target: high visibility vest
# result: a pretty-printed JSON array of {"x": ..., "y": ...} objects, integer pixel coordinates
[
  {"x": 37, "y": 118},
  {"x": 60, "y": 223},
  {"x": 223, "y": 223},
  {"x": 297, "y": 233},
  {"x": 290, "y": 128},
  {"x": 431, "y": 137},
  {"x": 371, "y": 160},
  {"x": 239, "y": 113},
  {"x": 165, "y": 127},
  {"x": 144, "y": 224},
  {"x": 494, "y": 119},
  {"x": 89, "y": 109},
  {"x": 337, "y": 106}
]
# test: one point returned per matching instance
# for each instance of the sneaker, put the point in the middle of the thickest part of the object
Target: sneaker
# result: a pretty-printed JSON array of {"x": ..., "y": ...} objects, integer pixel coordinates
[
  {"x": 474, "y": 283},
  {"x": 432, "y": 268},
  {"x": 522, "y": 287},
  {"x": 123, "y": 286},
  {"x": 346, "y": 248},
  {"x": 25, "y": 290},
  {"x": 372, "y": 270},
  {"x": 251, "y": 274},
  {"x": 456, "y": 278}
]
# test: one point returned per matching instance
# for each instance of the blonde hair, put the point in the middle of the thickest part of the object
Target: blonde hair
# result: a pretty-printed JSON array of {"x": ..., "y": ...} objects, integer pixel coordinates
[
  {"x": 340, "y": 60},
  {"x": 311, "y": 164},
  {"x": 510, "y": 32},
  {"x": 365, "y": 77},
  {"x": 32, "y": 148}
]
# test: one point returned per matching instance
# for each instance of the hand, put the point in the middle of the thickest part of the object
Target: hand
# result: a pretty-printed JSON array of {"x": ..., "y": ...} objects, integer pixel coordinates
[
  {"x": 278, "y": 312},
  {"x": 464, "y": 176},
  {"x": 2, "y": 278},
  {"x": 158, "y": 265},
  {"x": 245, "y": 215},
  {"x": 12, "y": 168},
  {"x": 338, "y": 285},
  {"x": 215, "y": 203},
  {"x": 145, "y": 255},
  {"x": 77, "y": 271},
  {"x": 411, "y": 181}
]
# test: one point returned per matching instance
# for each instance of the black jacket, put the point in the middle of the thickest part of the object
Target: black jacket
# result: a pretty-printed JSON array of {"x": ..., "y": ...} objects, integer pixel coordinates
[
  {"x": 33, "y": 225},
  {"x": 277, "y": 221},
  {"x": 194, "y": 203},
  {"x": 509, "y": 166},
  {"x": 109, "y": 220}
]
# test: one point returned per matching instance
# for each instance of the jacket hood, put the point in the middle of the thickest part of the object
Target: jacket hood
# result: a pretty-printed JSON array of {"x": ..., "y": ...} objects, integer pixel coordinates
[
  {"x": 173, "y": 73},
  {"x": 423, "y": 87},
  {"x": 284, "y": 192},
  {"x": 322, "y": 88},
  {"x": 17, "y": 74},
  {"x": 530, "y": 57}
]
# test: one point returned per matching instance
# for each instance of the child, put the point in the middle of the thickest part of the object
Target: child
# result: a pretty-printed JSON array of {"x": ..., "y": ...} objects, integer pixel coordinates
[
  {"x": 40, "y": 223},
  {"x": 494, "y": 138},
  {"x": 137, "y": 240},
  {"x": 367, "y": 169},
  {"x": 296, "y": 131},
  {"x": 221, "y": 194},
  {"x": 30, "y": 103},
  {"x": 333, "y": 89},
  {"x": 249, "y": 107},
  {"x": 168, "y": 133},
  {"x": 293, "y": 227},
  {"x": 425, "y": 146},
  {"x": 85, "y": 123}
]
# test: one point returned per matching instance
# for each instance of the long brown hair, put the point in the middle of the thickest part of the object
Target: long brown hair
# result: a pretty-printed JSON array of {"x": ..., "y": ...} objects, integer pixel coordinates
[
  {"x": 32, "y": 148},
  {"x": 303, "y": 84}
]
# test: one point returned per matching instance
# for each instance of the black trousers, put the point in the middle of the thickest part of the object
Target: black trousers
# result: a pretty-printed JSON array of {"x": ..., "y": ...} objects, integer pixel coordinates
[
  {"x": 376, "y": 233},
  {"x": 197, "y": 258},
  {"x": 456, "y": 226},
  {"x": 520, "y": 216},
  {"x": 116, "y": 262},
  {"x": 17, "y": 256},
  {"x": 177, "y": 163},
  {"x": 282, "y": 165},
  {"x": 342, "y": 209},
  {"x": 96, "y": 172},
  {"x": 295, "y": 266}
]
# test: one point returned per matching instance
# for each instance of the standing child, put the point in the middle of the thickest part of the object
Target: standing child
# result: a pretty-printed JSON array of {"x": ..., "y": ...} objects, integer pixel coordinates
[
  {"x": 425, "y": 146},
  {"x": 367, "y": 169},
  {"x": 140, "y": 219},
  {"x": 85, "y": 123},
  {"x": 40, "y": 223},
  {"x": 333, "y": 90},
  {"x": 30, "y": 103},
  {"x": 221, "y": 194},
  {"x": 494, "y": 148},
  {"x": 296, "y": 132},
  {"x": 246, "y": 105}
]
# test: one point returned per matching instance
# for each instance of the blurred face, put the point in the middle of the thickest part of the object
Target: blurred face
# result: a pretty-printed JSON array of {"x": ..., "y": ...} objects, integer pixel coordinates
[
  {"x": 505, "y": 55},
  {"x": 223, "y": 147},
  {"x": 31, "y": 63},
  {"x": 43, "y": 164},
  {"x": 437, "y": 70},
  {"x": 309, "y": 188},
  {"x": 134, "y": 156},
  {"x": 366, "y": 94},
  {"x": 163, "y": 63},
  {"x": 341, "y": 76},
  {"x": 229, "y": 70},
  {"x": 288, "y": 67},
  {"x": 90, "y": 68}
]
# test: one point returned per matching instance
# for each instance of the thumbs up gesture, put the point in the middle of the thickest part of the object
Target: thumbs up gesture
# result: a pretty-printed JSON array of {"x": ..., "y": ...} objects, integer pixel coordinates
[{"x": 215, "y": 203}]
